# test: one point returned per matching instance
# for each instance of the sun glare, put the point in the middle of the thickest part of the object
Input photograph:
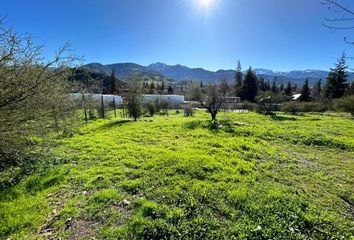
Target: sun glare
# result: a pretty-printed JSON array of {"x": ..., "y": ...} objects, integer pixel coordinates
[{"x": 205, "y": 3}]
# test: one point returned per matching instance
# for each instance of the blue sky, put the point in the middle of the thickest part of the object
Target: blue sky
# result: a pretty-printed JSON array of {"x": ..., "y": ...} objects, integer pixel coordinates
[{"x": 274, "y": 34}]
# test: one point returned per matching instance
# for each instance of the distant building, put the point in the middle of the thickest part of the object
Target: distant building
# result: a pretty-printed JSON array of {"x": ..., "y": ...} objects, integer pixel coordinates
[
  {"x": 296, "y": 96},
  {"x": 232, "y": 99}
]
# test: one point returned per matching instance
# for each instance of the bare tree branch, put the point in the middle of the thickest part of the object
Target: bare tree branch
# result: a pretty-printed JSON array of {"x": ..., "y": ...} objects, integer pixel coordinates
[{"x": 336, "y": 23}]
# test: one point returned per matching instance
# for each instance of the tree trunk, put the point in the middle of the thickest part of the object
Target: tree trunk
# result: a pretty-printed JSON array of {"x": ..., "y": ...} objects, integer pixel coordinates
[{"x": 213, "y": 116}]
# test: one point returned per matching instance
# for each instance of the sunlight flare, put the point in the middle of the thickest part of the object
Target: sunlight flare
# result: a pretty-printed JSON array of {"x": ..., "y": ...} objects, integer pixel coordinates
[{"x": 205, "y": 3}]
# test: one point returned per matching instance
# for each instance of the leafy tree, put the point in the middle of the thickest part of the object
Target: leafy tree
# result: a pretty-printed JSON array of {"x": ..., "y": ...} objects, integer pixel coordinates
[
  {"x": 305, "y": 92},
  {"x": 238, "y": 78},
  {"x": 134, "y": 100},
  {"x": 249, "y": 88},
  {"x": 337, "y": 80}
]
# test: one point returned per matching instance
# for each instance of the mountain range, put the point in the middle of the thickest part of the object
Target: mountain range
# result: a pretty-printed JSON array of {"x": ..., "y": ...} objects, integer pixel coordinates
[{"x": 183, "y": 73}]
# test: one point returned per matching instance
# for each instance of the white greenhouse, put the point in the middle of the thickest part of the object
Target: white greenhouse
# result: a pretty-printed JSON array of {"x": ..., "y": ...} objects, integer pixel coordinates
[
  {"x": 98, "y": 97},
  {"x": 175, "y": 100}
]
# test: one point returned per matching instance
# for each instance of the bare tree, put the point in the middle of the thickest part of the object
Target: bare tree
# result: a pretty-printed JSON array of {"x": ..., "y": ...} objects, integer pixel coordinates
[
  {"x": 213, "y": 99},
  {"x": 194, "y": 92},
  {"x": 33, "y": 91},
  {"x": 343, "y": 19}
]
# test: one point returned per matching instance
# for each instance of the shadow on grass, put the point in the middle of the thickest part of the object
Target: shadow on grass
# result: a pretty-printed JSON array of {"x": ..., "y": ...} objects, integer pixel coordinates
[
  {"x": 193, "y": 124},
  {"x": 213, "y": 126},
  {"x": 113, "y": 124},
  {"x": 283, "y": 118}
]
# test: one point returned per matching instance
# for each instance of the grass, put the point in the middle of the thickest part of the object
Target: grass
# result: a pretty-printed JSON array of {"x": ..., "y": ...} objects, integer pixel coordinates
[{"x": 258, "y": 177}]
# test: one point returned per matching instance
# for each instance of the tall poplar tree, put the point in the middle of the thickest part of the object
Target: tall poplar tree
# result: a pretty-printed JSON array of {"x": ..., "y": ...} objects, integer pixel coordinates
[{"x": 238, "y": 78}]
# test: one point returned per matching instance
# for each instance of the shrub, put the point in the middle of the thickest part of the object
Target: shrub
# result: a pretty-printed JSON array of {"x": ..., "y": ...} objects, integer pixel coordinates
[
  {"x": 249, "y": 106},
  {"x": 290, "y": 107},
  {"x": 151, "y": 109},
  {"x": 165, "y": 106},
  {"x": 189, "y": 111},
  {"x": 296, "y": 107},
  {"x": 345, "y": 104},
  {"x": 266, "y": 106}
]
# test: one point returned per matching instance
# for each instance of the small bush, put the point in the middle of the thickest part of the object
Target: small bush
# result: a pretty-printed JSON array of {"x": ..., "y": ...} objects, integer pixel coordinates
[
  {"x": 249, "y": 106},
  {"x": 290, "y": 107},
  {"x": 345, "y": 104},
  {"x": 151, "y": 108},
  {"x": 296, "y": 107},
  {"x": 189, "y": 112},
  {"x": 266, "y": 106}
]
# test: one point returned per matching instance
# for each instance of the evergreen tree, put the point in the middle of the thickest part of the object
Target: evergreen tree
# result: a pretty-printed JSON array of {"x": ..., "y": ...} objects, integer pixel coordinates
[
  {"x": 288, "y": 89},
  {"x": 249, "y": 88},
  {"x": 295, "y": 88},
  {"x": 281, "y": 87},
  {"x": 113, "y": 83},
  {"x": 262, "y": 84},
  {"x": 170, "y": 90},
  {"x": 201, "y": 84},
  {"x": 274, "y": 86},
  {"x": 152, "y": 88},
  {"x": 305, "y": 92},
  {"x": 317, "y": 89},
  {"x": 163, "y": 86},
  {"x": 350, "y": 90},
  {"x": 337, "y": 80},
  {"x": 267, "y": 85},
  {"x": 152, "y": 85},
  {"x": 238, "y": 78}
]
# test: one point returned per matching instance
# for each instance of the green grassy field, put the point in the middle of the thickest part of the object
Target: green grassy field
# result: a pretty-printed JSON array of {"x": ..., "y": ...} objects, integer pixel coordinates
[{"x": 258, "y": 177}]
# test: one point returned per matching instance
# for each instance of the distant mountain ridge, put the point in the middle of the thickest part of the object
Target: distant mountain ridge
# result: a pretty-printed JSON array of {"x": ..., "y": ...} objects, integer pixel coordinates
[{"x": 183, "y": 73}]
